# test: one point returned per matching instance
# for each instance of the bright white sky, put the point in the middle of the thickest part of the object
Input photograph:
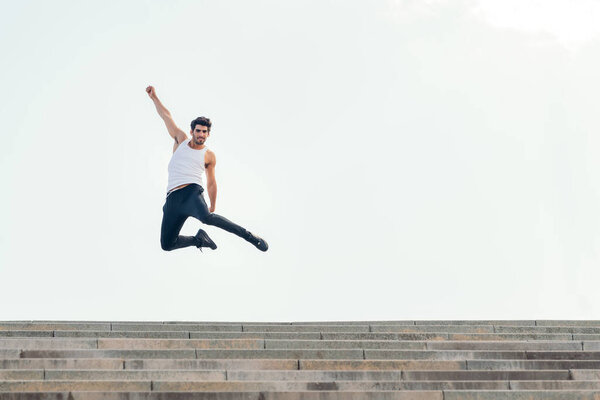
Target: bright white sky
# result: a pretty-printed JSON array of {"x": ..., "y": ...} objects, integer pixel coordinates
[{"x": 404, "y": 159}]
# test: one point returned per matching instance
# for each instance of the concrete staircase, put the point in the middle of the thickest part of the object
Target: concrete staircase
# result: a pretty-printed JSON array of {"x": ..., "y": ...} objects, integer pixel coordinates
[{"x": 322, "y": 360}]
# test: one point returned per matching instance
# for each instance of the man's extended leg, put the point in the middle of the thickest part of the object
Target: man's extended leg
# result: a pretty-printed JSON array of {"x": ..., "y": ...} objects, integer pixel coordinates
[
  {"x": 201, "y": 212},
  {"x": 208, "y": 218}
]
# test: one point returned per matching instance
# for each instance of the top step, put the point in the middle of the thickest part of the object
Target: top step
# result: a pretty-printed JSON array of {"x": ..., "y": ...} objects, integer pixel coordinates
[
  {"x": 458, "y": 326},
  {"x": 233, "y": 326}
]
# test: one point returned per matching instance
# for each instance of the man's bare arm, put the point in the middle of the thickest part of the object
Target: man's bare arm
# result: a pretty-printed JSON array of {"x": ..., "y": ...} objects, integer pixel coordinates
[
  {"x": 211, "y": 182},
  {"x": 174, "y": 131}
]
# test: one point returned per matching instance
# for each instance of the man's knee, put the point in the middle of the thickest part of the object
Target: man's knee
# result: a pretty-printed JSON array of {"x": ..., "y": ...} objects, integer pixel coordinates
[{"x": 166, "y": 245}]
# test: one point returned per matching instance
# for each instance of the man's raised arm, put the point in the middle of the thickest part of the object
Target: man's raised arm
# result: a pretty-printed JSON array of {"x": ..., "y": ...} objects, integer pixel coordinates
[{"x": 174, "y": 131}]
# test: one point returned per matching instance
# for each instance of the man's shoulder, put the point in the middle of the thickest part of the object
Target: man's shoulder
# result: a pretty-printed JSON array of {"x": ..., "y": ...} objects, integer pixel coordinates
[{"x": 209, "y": 157}]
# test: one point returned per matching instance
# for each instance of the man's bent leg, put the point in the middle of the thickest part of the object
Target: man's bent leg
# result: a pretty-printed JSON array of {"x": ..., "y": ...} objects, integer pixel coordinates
[{"x": 172, "y": 223}]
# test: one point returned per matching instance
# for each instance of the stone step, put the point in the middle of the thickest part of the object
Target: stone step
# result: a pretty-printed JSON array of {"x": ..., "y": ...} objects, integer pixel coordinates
[
  {"x": 133, "y": 334},
  {"x": 321, "y": 395},
  {"x": 563, "y": 355},
  {"x": 348, "y": 328},
  {"x": 568, "y": 322},
  {"x": 532, "y": 364},
  {"x": 510, "y": 336},
  {"x": 383, "y": 336},
  {"x": 243, "y": 386},
  {"x": 325, "y": 323},
  {"x": 471, "y": 322},
  {"x": 292, "y": 375},
  {"x": 193, "y": 353},
  {"x": 150, "y": 344},
  {"x": 312, "y": 395},
  {"x": 426, "y": 345},
  {"x": 381, "y": 364},
  {"x": 585, "y": 374},
  {"x": 586, "y": 336},
  {"x": 248, "y": 344},
  {"x": 20, "y": 334},
  {"x": 177, "y": 327},
  {"x": 65, "y": 363},
  {"x": 137, "y": 364},
  {"x": 172, "y": 354},
  {"x": 485, "y": 329},
  {"x": 260, "y": 335},
  {"x": 311, "y": 328},
  {"x": 373, "y": 385},
  {"x": 9, "y": 353},
  {"x": 274, "y": 344},
  {"x": 21, "y": 374},
  {"x": 437, "y": 328},
  {"x": 555, "y": 385},
  {"x": 455, "y": 355},
  {"x": 328, "y": 322},
  {"x": 179, "y": 375},
  {"x": 349, "y": 354},
  {"x": 567, "y": 345},
  {"x": 418, "y": 336},
  {"x": 128, "y": 344},
  {"x": 591, "y": 345},
  {"x": 228, "y": 364},
  {"x": 50, "y": 326},
  {"x": 366, "y": 386},
  {"x": 290, "y": 364},
  {"x": 47, "y": 343},
  {"x": 483, "y": 375},
  {"x": 185, "y": 334},
  {"x": 547, "y": 329},
  {"x": 479, "y": 355},
  {"x": 520, "y": 395},
  {"x": 79, "y": 385},
  {"x": 371, "y": 322},
  {"x": 389, "y": 375},
  {"x": 200, "y": 375},
  {"x": 441, "y": 336},
  {"x": 317, "y": 376}
]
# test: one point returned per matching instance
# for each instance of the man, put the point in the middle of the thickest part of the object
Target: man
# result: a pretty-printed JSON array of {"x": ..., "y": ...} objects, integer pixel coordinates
[{"x": 191, "y": 159}]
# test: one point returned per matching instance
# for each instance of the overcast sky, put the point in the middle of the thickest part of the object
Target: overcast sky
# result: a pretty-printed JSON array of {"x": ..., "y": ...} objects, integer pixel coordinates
[{"x": 404, "y": 159}]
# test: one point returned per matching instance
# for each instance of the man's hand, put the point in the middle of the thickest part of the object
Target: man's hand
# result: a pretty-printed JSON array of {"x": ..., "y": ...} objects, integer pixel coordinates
[{"x": 151, "y": 92}]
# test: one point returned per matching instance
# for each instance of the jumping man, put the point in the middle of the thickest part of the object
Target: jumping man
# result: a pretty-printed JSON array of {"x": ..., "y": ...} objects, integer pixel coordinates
[{"x": 191, "y": 158}]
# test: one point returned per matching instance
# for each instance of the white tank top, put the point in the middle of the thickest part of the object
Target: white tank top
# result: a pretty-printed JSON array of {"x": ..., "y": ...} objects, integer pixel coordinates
[{"x": 186, "y": 166}]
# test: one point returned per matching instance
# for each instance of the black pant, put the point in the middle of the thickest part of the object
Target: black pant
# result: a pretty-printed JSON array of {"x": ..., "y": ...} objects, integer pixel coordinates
[{"x": 189, "y": 202}]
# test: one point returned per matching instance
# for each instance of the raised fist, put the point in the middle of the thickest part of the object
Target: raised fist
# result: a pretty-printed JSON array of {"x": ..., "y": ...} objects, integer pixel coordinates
[{"x": 151, "y": 92}]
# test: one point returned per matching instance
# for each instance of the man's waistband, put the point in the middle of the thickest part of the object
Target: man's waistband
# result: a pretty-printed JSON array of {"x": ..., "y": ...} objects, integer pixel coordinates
[{"x": 191, "y": 185}]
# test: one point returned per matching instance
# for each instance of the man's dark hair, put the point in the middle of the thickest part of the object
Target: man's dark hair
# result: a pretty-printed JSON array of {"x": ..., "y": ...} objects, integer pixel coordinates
[{"x": 201, "y": 121}]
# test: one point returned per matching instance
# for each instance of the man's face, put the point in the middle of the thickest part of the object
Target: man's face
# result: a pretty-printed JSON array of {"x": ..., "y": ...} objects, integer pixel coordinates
[{"x": 200, "y": 134}]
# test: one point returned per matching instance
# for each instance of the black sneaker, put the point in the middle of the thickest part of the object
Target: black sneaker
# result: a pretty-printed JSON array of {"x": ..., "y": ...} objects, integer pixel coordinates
[
  {"x": 258, "y": 242},
  {"x": 204, "y": 240}
]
